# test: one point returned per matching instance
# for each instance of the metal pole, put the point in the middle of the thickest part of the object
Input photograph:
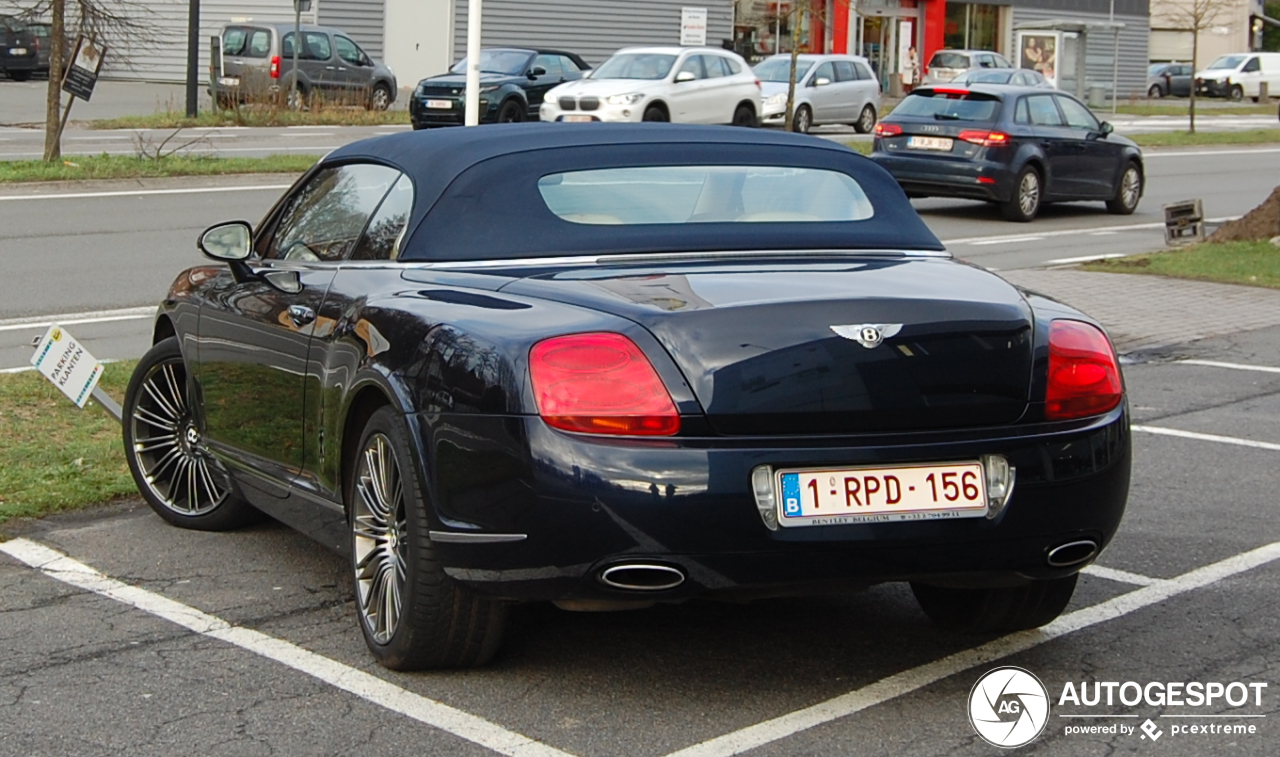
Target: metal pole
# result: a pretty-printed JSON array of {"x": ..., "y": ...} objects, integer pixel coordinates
[
  {"x": 473, "y": 63},
  {"x": 777, "y": 29},
  {"x": 193, "y": 57},
  {"x": 108, "y": 404},
  {"x": 297, "y": 43},
  {"x": 1115, "y": 58}
]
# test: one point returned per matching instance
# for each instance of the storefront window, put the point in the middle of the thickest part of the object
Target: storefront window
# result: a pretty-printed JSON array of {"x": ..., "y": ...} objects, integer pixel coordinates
[{"x": 972, "y": 27}]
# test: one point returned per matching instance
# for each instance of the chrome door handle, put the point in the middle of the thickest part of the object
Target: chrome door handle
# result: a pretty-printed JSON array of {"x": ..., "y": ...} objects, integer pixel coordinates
[{"x": 301, "y": 315}]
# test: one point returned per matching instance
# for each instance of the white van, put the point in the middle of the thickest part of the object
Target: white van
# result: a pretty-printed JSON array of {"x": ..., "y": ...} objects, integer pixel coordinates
[{"x": 1239, "y": 75}]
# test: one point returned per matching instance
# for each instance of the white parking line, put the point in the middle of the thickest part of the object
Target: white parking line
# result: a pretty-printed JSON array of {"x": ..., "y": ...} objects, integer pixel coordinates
[
  {"x": 1074, "y": 232},
  {"x": 909, "y": 681},
  {"x": 464, "y": 725},
  {"x": 142, "y": 192},
  {"x": 1006, "y": 240},
  {"x": 71, "y": 319},
  {"x": 1231, "y": 366},
  {"x": 1120, "y": 576},
  {"x": 1207, "y": 437},
  {"x": 1085, "y": 258}
]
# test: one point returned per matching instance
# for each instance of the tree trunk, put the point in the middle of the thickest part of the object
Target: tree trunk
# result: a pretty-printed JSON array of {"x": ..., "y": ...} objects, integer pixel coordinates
[
  {"x": 791, "y": 81},
  {"x": 53, "y": 98}
]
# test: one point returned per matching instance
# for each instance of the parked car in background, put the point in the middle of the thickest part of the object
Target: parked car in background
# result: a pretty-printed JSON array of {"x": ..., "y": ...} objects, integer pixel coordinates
[
  {"x": 1240, "y": 75},
  {"x": 1018, "y": 77},
  {"x": 1017, "y": 147},
  {"x": 1165, "y": 79},
  {"x": 44, "y": 45},
  {"x": 258, "y": 65},
  {"x": 18, "y": 52},
  {"x": 946, "y": 65},
  {"x": 696, "y": 85},
  {"x": 513, "y": 82},
  {"x": 830, "y": 89}
]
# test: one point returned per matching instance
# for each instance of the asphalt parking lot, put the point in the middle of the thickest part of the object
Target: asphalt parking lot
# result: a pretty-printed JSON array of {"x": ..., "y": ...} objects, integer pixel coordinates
[{"x": 153, "y": 640}]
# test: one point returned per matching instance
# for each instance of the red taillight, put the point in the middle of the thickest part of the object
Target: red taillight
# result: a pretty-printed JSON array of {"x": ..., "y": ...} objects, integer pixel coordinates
[
  {"x": 600, "y": 383},
  {"x": 275, "y": 67},
  {"x": 985, "y": 138},
  {"x": 1084, "y": 377},
  {"x": 888, "y": 130}
]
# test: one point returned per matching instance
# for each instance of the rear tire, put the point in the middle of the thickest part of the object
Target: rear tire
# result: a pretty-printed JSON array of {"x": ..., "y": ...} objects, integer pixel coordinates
[
  {"x": 866, "y": 120},
  {"x": 1128, "y": 192},
  {"x": 20, "y": 75},
  {"x": 413, "y": 616},
  {"x": 802, "y": 120},
  {"x": 743, "y": 115},
  {"x": 999, "y": 610},
  {"x": 1024, "y": 204}
]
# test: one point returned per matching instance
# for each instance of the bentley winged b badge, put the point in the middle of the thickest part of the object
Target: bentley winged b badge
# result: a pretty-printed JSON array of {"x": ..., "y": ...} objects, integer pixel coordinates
[{"x": 869, "y": 335}]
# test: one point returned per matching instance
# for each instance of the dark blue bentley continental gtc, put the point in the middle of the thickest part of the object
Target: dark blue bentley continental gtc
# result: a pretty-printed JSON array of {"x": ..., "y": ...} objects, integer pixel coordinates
[{"x": 625, "y": 364}]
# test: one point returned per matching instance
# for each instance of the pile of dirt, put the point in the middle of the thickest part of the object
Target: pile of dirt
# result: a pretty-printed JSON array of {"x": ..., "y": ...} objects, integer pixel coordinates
[{"x": 1263, "y": 222}]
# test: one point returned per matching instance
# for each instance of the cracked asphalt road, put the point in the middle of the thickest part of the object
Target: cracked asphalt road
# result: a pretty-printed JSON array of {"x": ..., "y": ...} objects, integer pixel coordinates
[{"x": 82, "y": 674}]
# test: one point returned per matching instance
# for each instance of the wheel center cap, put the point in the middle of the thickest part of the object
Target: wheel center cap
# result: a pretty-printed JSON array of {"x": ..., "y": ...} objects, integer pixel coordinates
[
  {"x": 193, "y": 436},
  {"x": 393, "y": 539}
]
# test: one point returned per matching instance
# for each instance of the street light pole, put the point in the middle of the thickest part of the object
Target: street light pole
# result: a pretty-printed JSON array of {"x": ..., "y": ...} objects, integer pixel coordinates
[{"x": 473, "y": 63}]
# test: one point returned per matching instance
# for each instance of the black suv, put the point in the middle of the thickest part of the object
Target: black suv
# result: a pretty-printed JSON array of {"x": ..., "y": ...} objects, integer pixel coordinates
[
  {"x": 512, "y": 84},
  {"x": 1018, "y": 147},
  {"x": 18, "y": 56}
]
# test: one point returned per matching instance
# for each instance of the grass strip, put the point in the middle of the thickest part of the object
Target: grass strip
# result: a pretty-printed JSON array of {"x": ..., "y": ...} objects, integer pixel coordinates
[
  {"x": 104, "y": 166},
  {"x": 256, "y": 117},
  {"x": 1182, "y": 109},
  {"x": 57, "y": 456},
  {"x": 1185, "y": 139},
  {"x": 1250, "y": 263}
]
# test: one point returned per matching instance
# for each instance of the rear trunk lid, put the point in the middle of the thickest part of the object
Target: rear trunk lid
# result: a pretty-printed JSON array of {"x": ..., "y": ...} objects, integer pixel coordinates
[
  {"x": 770, "y": 348},
  {"x": 934, "y": 120}
]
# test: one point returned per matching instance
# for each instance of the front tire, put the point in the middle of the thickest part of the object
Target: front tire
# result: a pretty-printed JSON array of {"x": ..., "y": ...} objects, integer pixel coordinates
[
  {"x": 656, "y": 114},
  {"x": 1128, "y": 192},
  {"x": 866, "y": 120},
  {"x": 1023, "y": 205},
  {"x": 998, "y": 610},
  {"x": 511, "y": 112},
  {"x": 412, "y": 615},
  {"x": 802, "y": 120},
  {"x": 380, "y": 97},
  {"x": 176, "y": 474},
  {"x": 1155, "y": 92},
  {"x": 1236, "y": 93}
]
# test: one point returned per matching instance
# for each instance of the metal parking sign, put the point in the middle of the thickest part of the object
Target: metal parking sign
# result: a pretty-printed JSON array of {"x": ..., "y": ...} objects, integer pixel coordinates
[{"x": 66, "y": 363}]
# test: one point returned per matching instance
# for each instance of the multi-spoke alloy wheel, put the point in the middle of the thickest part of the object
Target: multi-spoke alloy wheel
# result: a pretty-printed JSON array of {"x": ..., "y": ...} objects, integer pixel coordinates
[
  {"x": 380, "y": 532},
  {"x": 1128, "y": 193},
  {"x": 1025, "y": 202},
  {"x": 166, "y": 453}
]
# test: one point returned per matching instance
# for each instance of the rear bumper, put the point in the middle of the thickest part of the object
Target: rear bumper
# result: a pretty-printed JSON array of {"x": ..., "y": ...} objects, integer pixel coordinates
[
  {"x": 19, "y": 62},
  {"x": 978, "y": 180},
  {"x": 584, "y": 504}
]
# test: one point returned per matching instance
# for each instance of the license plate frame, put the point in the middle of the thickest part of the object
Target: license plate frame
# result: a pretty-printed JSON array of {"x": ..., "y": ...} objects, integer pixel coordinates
[
  {"x": 228, "y": 81},
  {"x": 938, "y": 144},
  {"x": 913, "y": 503},
  {"x": 440, "y": 104},
  {"x": 577, "y": 118}
]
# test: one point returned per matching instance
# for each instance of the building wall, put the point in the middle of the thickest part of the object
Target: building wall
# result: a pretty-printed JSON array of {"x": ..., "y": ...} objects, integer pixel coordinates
[
  {"x": 363, "y": 20},
  {"x": 1227, "y": 33},
  {"x": 592, "y": 28},
  {"x": 419, "y": 38},
  {"x": 1100, "y": 50}
]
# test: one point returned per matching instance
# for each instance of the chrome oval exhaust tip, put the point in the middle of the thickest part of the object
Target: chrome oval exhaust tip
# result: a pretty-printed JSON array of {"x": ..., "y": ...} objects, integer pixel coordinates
[
  {"x": 642, "y": 577},
  {"x": 1072, "y": 553}
]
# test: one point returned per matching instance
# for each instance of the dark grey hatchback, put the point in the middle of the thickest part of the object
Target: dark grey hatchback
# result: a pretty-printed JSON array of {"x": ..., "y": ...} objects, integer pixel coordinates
[{"x": 1018, "y": 147}]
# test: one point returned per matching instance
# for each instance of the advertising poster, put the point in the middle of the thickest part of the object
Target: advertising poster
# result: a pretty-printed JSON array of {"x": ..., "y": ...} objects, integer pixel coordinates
[{"x": 1038, "y": 51}]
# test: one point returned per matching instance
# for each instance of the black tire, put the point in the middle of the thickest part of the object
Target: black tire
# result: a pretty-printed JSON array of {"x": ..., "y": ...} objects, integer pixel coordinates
[
  {"x": 379, "y": 97},
  {"x": 743, "y": 115},
  {"x": 1023, "y": 205},
  {"x": 654, "y": 113},
  {"x": 1254, "y": 99},
  {"x": 173, "y": 470},
  {"x": 434, "y": 621},
  {"x": 802, "y": 120},
  {"x": 20, "y": 75},
  {"x": 1156, "y": 91},
  {"x": 1236, "y": 93},
  {"x": 866, "y": 122},
  {"x": 999, "y": 610},
  {"x": 1128, "y": 191},
  {"x": 511, "y": 112}
]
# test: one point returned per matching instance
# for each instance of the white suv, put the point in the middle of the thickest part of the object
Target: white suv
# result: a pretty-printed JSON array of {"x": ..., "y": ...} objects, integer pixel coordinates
[{"x": 697, "y": 85}]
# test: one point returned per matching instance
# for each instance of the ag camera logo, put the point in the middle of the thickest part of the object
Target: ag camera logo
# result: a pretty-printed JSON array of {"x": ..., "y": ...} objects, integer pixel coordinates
[{"x": 1009, "y": 707}]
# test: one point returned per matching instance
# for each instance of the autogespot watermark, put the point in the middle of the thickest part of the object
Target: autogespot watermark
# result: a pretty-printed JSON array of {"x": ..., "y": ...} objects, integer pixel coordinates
[{"x": 1010, "y": 707}]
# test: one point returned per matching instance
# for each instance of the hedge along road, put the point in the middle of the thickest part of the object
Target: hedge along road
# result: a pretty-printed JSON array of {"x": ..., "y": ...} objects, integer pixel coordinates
[{"x": 145, "y": 639}]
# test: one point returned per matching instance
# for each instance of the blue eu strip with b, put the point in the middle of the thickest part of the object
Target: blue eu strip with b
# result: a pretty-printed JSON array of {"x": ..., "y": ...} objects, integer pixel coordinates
[{"x": 791, "y": 495}]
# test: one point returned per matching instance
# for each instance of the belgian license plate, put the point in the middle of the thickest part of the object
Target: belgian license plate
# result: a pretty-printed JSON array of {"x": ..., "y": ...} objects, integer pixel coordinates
[
  {"x": 440, "y": 104},
  {"x": 929, "y": 143},
  {"x": 229, "y": 81},
  {"x": 578, "y": 119},
  {"x": 17, "y": 51},
  {"x": 832, "y": 496}
]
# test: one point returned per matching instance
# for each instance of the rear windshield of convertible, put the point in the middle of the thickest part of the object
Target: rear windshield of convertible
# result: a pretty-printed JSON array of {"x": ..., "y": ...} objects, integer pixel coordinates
[{"x": 704, "y": 194}]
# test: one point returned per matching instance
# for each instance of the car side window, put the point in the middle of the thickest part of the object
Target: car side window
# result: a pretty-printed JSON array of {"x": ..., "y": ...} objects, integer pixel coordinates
[
  {"x": 714, "y": 66},
  {"x": 1021, "y": 114},
  {"x": 693, "y": 65},
  {"x": 317, "y": 45},
  {"x": 233, "y": 41},
  {"x": 733, "y": 66},
  {"x": 549, "y": 62},
  {"x": 863, "y": 71},
  {"x": 1043, "y": 111},
  {"x": 985, "y": 61},
  {"x": 844, "y": 71},
  {"x": 824, "y": 71},
  {"x": 1002, "y": 62},
  {"x": 324, "y": 217},
  {"x": 259, "y": 44},
  {"x": 381, "y": 238},
  {"x": 286, "y": 47},
  {"x": 1252, "y": 66},
  {"x": 1078, "y": 116},
  {"x": 568, "y": 65},
  {"x": 347, "y": 50}
]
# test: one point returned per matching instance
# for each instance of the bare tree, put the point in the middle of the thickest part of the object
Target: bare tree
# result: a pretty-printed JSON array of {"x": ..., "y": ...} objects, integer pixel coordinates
[
  {"x": 792, "y": 17},
  {"x": 111, "y": 22},
  {"x": 1194, "y": 16}
]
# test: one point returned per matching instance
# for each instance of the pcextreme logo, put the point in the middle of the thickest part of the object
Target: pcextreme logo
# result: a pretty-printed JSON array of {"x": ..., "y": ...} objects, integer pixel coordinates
[{"x": 1009, "y": 707}]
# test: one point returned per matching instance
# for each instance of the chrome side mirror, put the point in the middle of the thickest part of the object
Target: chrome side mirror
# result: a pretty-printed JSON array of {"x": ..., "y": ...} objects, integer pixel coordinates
[
  {"x": 685, "y": 76},
  {"x": 821, "y": 81},
  {"x": 227, "y": 241}
]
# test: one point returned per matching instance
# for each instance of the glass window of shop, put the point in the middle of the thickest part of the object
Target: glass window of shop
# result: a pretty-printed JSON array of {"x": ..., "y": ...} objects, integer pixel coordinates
[{"x": 972, "y": 27}]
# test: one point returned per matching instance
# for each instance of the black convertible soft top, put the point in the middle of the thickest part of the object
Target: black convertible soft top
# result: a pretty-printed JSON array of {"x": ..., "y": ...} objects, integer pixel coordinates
[{"x": 477, "y": 196}]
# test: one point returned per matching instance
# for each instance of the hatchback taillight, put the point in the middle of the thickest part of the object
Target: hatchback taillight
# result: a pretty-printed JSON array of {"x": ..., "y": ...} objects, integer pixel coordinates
[
  {"x": 275, "y": 67},
  {"x": 600, "y": 383},
  {"x": 985, "y": 138},
  {"x": 1084, "y": 375},
  {"x": 887, "y": 130}
]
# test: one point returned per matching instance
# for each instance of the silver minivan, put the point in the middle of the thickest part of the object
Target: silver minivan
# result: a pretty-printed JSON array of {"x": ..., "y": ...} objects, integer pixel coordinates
[
  {"x": 946, "y": 65},
  {"x": 830, "y": 89},
  {"x": 257, "y": 65}
]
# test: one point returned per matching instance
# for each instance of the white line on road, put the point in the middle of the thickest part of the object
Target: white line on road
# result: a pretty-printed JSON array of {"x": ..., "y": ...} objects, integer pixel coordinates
[
  {"x": 1007, "y": 240},
  {"x": 1120, "y": 576},
  {"x": 141, "y": 192},
  {"x": 1070, "y": 232},
  {"x": 1084, "y": 258},
  {"x": 71, "y": 319},
  {"x": 1202, "y": 153},
  {"x": 1102, "y": 233},
  {"x": 58, "y": 566},
  {"x": 1207, "y": 437},
  {"x": 19, "y": 369},
  {"x": 909, "y": 681},
  {"x": 1231, "y": 366}
]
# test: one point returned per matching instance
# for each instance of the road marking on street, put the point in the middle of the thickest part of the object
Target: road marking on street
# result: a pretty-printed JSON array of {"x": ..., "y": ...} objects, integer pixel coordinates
[
  {"x": 909, "y": 681},
  {"x": 19, "y": 369},
  {"x": 1007, "y": 240},
  {"x": 1201, "y": 153},
  {"x": 1102, "y": 233},
  {"x": 1077, "y": 232},
  {"x": 1231, "y": 366},
  {"x": 38, "y": 322},
  {"x": 1085, "y": 258},
  {"x": 143, "y": 192},
  {"x": 58, "y": 566},
  {"x": 1120, "y": 576},
  {"x": 1207, "y": 437}
]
